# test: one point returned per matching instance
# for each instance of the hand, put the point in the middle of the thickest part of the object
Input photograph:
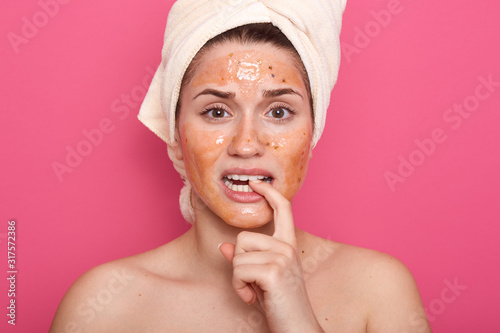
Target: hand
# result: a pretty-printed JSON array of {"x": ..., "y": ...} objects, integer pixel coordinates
[{"x": 267, "y": 269}]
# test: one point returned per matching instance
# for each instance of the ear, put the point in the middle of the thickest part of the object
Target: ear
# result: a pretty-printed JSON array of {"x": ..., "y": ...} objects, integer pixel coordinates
[{"x": 177, "y": 146}]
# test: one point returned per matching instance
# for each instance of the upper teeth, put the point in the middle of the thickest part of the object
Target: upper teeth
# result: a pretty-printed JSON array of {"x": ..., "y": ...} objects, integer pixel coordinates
[
  {"x": 243, "y": 188},
  {"x": 245, "y": 177}
]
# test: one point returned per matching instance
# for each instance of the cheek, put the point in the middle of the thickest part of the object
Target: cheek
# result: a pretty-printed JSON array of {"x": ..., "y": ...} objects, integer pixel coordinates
[
  {"x": 292, "y": 151},
  {"x": 201, "y": 151}
]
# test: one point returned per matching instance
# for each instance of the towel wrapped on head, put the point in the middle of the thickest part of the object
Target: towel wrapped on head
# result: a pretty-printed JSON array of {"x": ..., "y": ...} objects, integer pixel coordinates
[{"x": 313, "y": 27}]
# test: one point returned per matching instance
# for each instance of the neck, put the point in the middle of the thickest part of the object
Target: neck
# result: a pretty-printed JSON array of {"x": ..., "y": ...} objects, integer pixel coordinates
[{"x": 207, "y": 233}]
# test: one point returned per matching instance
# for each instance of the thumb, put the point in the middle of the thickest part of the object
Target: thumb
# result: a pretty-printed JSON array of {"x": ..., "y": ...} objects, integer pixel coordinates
[{"x": 227, "y": 250}]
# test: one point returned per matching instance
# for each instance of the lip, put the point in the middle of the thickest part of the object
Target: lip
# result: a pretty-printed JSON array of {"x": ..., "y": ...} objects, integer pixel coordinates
[
  {"x": 250, "y": 172},
  {"x": 243, "y": 197}
]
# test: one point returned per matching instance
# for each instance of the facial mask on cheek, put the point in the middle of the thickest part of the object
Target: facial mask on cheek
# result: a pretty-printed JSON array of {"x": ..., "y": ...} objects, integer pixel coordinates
[
  {"x": 202, "y": 150},
  {"x": 292, "y": 151}
]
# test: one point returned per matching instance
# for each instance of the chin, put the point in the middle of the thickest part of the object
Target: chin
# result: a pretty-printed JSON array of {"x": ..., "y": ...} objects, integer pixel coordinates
[
  {"x": 248, "y": 217},
  {"x": 235, "y": 214}
]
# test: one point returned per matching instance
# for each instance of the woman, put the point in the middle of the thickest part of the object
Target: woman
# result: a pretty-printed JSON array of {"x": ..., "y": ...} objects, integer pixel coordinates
[{"x": 240, "y": 98}]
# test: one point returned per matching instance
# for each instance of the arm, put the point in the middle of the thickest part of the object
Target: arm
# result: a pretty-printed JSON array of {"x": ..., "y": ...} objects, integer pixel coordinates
[{"x": 395, "y": 305}]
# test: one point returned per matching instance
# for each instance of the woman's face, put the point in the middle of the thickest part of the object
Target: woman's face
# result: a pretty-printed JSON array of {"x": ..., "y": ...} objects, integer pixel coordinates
[{"x": 245, "y": 113}]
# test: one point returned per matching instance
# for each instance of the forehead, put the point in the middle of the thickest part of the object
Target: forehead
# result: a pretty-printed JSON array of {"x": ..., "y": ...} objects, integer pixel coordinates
[{"x": 255, "y": 63}]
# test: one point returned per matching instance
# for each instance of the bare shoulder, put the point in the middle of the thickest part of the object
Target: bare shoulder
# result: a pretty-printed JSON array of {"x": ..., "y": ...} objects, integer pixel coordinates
[
  {"x": 103, "y": 293},
  {"x": 383, "y": 285},
  {"x": 389, "y": 291},
  {"x": 353, "y": 259}
]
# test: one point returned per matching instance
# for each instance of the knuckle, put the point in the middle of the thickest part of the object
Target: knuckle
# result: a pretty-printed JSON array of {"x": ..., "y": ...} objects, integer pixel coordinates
[
  {"x": 281, "y": 260},
  {"x": 275, "y": 273},
  {"x": 237, "y": 260},
  {"x": 289, "y": 251},
  {"x": 242, "y": 236},
  {"x": 237, "y": 273}
]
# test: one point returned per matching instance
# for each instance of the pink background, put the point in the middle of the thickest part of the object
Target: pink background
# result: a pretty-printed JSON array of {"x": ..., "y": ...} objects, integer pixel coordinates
[{"x": 395, "y": 86}]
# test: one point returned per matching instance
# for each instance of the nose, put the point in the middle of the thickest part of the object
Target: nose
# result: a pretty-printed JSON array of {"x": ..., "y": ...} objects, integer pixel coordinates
[{"x": 245, "y": 142}]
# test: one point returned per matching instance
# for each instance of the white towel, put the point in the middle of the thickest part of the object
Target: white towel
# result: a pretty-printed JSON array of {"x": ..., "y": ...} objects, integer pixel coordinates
[{"x": 312, "y": 26}]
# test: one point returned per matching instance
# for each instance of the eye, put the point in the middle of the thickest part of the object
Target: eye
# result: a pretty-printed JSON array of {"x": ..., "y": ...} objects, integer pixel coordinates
[
  {"x": 215, "y": 113},
  {"x": 218, "y": 113},
  {"x": 280, "y": 112}
]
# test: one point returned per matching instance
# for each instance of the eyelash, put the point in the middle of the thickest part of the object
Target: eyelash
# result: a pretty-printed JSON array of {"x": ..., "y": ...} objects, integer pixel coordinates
[
  {"x": 211, "y": 108},
  {"x": 282, "y": 106},
  {"x": 221, "y": 107}
]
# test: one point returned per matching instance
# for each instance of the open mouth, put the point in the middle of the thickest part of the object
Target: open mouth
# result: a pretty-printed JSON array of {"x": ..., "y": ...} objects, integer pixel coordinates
[{"x": 239, "y": 183}]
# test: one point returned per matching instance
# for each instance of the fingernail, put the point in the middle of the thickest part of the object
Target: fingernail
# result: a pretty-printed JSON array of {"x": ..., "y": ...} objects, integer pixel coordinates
[
  {"x": 218, "y": 246},
  {"x": 256, "y": 181}
]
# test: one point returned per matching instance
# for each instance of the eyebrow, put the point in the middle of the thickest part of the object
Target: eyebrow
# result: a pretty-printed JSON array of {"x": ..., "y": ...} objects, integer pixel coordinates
[
  {"x": 266, "y": 93},
  {"x": 280, "y": 92},
  {"x": 217, "y": 93}
]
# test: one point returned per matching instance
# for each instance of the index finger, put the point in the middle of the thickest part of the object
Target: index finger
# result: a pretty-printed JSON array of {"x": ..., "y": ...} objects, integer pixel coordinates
[{"x": 284, "y": 229}]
